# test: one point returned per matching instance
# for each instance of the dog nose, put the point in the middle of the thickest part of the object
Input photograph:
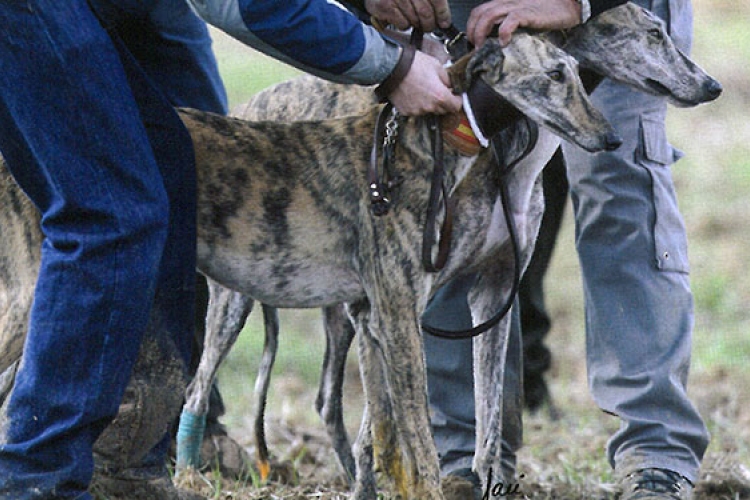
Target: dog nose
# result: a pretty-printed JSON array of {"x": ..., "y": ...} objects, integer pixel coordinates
[
  {"x": 713, "y": 89},
  {"x": 612, "y": 141}
]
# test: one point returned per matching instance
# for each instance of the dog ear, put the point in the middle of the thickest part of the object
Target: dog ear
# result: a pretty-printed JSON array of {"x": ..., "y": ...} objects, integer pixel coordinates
[
  {"x": 489, "y": 58},
  {"x": 459, "y": 77}
]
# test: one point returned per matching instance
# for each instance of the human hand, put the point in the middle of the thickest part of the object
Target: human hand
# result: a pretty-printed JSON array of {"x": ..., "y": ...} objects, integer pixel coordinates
[
  {"x": 426, "y": 15},
  {"x": 425, "y": 89},
  {"x": 512, "y": 14}
]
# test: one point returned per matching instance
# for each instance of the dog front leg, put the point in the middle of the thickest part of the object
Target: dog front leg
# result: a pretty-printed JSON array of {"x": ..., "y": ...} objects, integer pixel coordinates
[
  {"x": 498, "y": 406},
  {"x": 396, "y": 345}
]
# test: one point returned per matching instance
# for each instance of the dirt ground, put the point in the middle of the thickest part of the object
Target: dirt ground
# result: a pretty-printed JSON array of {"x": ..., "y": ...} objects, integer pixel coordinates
[
  {"x": 306, "y": 469},
  {"x": 563, "y": 455}
]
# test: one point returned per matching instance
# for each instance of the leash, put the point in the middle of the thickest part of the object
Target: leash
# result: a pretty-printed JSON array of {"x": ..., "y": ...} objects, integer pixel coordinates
[
  {"x": 386, "y": 132},
  {"x": 438, "y": 192},
  {"x": 494, "y": 122},
  {"x": 498, "y": 156},
  {"x": 491, "y": 121}
]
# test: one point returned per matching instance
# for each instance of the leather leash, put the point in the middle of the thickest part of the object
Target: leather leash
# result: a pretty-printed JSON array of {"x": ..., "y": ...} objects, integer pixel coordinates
[
  {"x": 438, "y": 192},
  {"x": 496, "y": 115},
  {"x": 386, "y": 130},
  {"x": 498, "y": 155},
  {"x": 385, "y": 134}
]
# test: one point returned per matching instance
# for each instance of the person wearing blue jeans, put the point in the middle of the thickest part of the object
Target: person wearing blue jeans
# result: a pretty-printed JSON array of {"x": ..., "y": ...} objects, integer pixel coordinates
[
  {"x": 173, "y": 47},
  {"x": 100, "y": 151},
  {"x": 632, "y": 248}
]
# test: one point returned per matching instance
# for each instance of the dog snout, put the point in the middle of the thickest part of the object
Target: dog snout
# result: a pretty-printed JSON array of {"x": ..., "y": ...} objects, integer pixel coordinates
[
  {"x": 612, "y": 141},
  {"x": 712, "y": 89}
]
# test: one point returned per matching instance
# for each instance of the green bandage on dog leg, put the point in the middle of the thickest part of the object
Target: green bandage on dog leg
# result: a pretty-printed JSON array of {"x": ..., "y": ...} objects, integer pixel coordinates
[{"x": 189, "y": 439}]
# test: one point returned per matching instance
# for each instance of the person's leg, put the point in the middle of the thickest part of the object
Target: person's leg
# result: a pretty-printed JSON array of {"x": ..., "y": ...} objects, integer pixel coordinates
[
  {"x": 105, "y": 213},
  {"x": 639, "y": 310},
  {"x": 161, "y": 371}
]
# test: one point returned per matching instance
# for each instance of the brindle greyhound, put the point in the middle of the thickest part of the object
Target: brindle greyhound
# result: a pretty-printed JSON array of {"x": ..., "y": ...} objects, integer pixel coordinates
[
  {"x": 219, "y": 218},
  {"x": 627, "y": 44},
  {"x": 288, "y": 222}
]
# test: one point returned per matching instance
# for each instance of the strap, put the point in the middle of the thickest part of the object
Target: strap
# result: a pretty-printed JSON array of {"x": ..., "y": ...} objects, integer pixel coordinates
[
  {"x": 455, "y": 42},
  {"x": 493, "y": 113},
  {"x": 437, "y": 188},
  {"x": 379, "y": 202},
  {"x": 498, "y": 156}
]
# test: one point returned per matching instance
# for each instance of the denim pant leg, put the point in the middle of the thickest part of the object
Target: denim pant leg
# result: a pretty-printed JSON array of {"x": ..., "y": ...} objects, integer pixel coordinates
[
  {"x": 105, "y": 213},
  {"x": 172, "y": 46},
  {"x": 639, "y": 311},
  {"x": 173, "y": 311}
]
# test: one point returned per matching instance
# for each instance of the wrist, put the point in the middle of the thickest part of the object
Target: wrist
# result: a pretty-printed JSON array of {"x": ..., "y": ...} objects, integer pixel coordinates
[{"x": 405, "y": 60}]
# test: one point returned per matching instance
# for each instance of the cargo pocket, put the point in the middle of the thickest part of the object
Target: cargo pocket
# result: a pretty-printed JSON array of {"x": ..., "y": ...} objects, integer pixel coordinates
[{"x": 656, "y": 155}]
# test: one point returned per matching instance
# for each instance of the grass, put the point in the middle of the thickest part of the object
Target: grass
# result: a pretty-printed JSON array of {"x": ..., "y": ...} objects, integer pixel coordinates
[{"x": 562, "y": 458}]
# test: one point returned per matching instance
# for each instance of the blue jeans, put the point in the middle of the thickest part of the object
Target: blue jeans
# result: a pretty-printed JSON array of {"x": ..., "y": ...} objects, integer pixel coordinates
[
  {"x": 104, "y": 157},
  {"x": 172, "y": 46}
]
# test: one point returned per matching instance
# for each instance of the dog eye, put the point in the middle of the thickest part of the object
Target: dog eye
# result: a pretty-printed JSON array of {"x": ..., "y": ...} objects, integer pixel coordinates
[
  {"x": 556, "y": 75},
  {"x": 656, "y": 33}
]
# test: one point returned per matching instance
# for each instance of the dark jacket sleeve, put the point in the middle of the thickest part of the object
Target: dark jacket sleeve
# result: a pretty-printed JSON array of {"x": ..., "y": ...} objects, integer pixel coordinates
[
  {"x": 599, "y": 6},
  {"x": 317, "y": 36}
]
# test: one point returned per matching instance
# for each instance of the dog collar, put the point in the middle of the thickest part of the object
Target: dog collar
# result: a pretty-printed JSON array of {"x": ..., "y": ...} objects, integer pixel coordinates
[
  {"x": 491, "y": 112},
  {"x": 460, "y": 132},
  {"x": 485, "y": 113}
]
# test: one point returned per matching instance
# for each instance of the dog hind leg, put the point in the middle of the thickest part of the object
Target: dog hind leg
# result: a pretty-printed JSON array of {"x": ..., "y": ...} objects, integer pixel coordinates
[
  {"x": 228, "y": 311},
  {"x": 262, "y": 383},
  {"x": 339, "y": 336}
]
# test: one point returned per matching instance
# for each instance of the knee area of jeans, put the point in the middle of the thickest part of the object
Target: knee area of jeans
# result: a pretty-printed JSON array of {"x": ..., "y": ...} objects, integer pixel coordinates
[{"x": 149, "y": 218}]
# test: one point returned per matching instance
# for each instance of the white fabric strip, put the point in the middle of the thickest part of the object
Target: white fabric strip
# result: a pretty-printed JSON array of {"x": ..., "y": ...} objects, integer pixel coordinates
[{"x": 473, "y": 122}]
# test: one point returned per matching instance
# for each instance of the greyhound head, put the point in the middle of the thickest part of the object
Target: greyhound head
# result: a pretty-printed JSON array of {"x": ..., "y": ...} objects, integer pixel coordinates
[
  {"x": 542, "y": 82},
  {"x": 631, "y": 45}
]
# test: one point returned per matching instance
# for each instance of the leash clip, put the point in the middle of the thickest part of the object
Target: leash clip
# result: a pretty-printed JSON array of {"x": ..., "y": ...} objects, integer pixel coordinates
[
  {"x": 455, "y": 42},
  {"x": 387, "y": 130}
]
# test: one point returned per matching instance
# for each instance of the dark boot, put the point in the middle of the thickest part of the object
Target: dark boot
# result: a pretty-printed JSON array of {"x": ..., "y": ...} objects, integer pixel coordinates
[{"x": 128, "y": 465}]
